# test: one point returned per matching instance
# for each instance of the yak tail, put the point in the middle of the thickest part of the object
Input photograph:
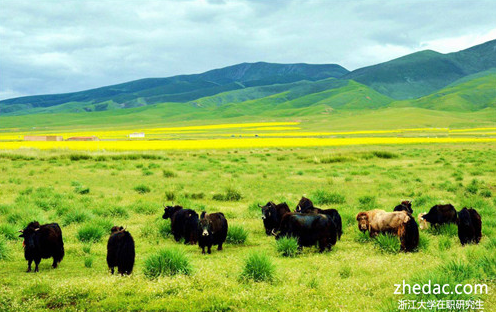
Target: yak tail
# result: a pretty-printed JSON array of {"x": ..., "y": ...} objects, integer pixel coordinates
[
  {"x": 410, "y": 235},
  {"x": 339, "y": 225}
]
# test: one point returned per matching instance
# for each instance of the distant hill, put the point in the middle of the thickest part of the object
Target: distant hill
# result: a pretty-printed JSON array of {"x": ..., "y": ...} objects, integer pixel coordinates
[
  {"x": 472, "y": 93},
  {"x": 424, "y": 72},
  {"x": 173, "y": 89}
]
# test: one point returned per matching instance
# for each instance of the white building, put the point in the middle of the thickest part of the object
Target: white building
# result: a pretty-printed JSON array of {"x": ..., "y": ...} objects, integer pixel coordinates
[{"x": 137, "y": 135}]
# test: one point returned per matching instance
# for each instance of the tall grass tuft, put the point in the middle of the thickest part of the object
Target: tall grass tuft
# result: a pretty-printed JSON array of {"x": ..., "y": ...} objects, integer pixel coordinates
[
  {"x": 142, "y": 189},
  {"x": 76, "y": 216},
  {"x": 444, "y": 229},
  {"x": 387, "y": 243},
  {"x": 8, "y": 231},
  {"x": 90, "y": 233},
  {"x": 167, "y": 262},
  {"x": 444, "y": 243},
  {"x": 362, "y": 237},
  {"x": 236, "y": 234},
  {"x": 4, "y": 252},
  {"x": 287, "y": 247},
  {"x": 164, "y": 228},
  {"x": 258, "y": 267},
  {"x": 324, "y": 197}
]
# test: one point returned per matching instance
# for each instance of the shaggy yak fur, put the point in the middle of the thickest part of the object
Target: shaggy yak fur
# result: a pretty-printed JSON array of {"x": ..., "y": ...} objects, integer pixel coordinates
[
  {"x": 398, "y": 223},
  {"x": 184, "y": 223},
  {"x": 306, "y": 206},
  {"x": 272, "y": 216},
  {"x": 212, "y": 230},
  {"x": 42, "y": 241},
  {"x": 120, "y": 251},
  {"x": 469, "y": 226}
]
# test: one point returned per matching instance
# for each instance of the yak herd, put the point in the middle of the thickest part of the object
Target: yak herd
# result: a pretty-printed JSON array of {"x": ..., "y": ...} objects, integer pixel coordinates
[{"x": 310, "y": 225}]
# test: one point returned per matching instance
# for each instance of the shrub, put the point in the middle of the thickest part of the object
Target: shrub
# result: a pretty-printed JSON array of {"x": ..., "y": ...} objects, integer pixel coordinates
[
  {"x": 142, "y": 189},
  {"x": 236, "y": 235},
  {"x": 167, "y": 262},
  {"x": 287, "y": 247},
  {"x": 387, "y": 243},
  {"x": 168, "y": 173},
  {"x": 232, "y": 194},
  {"x": 258, "y": 267},
  {"x": 324, "y": 197},
  {"x": 9, "y": 231},
  {"x": 90, "y": 233}
]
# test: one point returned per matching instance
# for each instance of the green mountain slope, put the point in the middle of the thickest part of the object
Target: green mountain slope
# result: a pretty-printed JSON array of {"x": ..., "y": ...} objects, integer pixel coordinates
[
  {"x": 424, "y": 72},
  {"x": 173, "y": 89},
  {"x": 465, "y": 95}
]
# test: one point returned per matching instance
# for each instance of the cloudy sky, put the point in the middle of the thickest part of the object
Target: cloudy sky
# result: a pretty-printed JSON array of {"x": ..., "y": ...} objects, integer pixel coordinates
[{"x": 65, "y": 46}]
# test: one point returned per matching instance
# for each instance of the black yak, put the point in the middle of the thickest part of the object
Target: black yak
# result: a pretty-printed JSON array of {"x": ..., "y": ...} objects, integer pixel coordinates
[
  {"x": 306, "y": 206},
  {"x": 42, "y": 241},
  {"x": 212, "y": 230},
  {"x": 469, "y": 226},
  {"x": 309, "y": 229},
  {"x": 272, "y": 216},
  {"x": 438, "y": 214},
  {"x": 120, "y": 251},
  {"x": 404, "y": 206},
  {"x": 184, "y": 223}
]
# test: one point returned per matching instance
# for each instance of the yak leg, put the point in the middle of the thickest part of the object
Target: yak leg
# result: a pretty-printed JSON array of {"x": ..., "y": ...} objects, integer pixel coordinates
[
  {"x": 54, "y": 264},
  {"x": 203, "y": 250},
  {"x": 37, "y": 262},
  {"x": 112, "y": 270},
  {"x": 29, "y": 265},
  {"x": 219, "y": 247},
  {"x": 209, "y": 249}
]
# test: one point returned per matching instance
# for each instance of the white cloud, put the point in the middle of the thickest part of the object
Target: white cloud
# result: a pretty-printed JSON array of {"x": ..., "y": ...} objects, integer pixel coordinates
[{"x": 63, "y": 46}]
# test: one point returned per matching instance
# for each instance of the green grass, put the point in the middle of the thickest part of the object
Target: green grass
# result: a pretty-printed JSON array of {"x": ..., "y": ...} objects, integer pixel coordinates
[
  {"x": 350, "y": 278},
  {"x": 287, "y": 247},
  {"x": 259, "y": 268},
  {"x": 387, "y": 243},
  {"x": 167, "y": 262},
  {"x": 236, "y": 234}
]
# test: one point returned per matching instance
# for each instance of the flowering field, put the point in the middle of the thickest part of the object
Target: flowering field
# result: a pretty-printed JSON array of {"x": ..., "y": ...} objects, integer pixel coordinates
[{"x": 248, "y": 135}]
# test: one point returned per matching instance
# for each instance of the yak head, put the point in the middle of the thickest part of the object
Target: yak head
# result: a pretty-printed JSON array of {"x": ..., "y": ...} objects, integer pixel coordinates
[
  {"x": 268, "y": 210},
  {"x": 170, "y": 210},
  {"x": 363, "y": 221},
  {"x": 205, "y": 225},
  {"x": 116, "y": 229},
  {"x": 304, "y": 205},
  {"x": 423, "y": 224},
  {"x": 29, "y": 234}
]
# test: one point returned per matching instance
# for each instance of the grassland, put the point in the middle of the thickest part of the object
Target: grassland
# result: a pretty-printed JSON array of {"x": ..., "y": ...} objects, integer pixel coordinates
[{"x": 81, "y": 190}]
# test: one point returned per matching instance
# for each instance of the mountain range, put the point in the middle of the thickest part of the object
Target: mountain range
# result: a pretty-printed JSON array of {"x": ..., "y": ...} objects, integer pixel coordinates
[{"x": 459, "y": 81}]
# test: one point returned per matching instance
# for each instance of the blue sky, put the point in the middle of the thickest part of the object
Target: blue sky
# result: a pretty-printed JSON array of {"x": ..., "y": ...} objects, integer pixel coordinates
[{"x": 65, "y": 46}]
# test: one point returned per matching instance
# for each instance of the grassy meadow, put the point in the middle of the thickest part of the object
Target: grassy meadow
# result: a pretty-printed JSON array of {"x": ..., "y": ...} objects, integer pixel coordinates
[{"x": 88, "y": 192}]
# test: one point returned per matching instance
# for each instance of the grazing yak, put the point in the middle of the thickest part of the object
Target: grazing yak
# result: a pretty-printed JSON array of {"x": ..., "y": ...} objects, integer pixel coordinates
[
  {"x": 469, "y": 226},
  {"x": 212, "y": 230},
  {"x": 272, "y": 216},
  {"x": 398, "y": 223},
  {"x": 438, "y": 214},
  {"x": 184, "y": 223},
  {"x": 306, "y": 206},
  {"x": 120, "y": 251},
  {"x": 42, "y": 241},
  {"x": 309, "y": 229},
  {"x": 405, "y": 205}
]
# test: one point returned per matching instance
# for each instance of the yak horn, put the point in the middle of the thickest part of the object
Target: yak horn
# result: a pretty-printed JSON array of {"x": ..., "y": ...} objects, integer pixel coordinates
[
  {"x": 21, "y": 231},
  {"x": 273, "y": 232},
  {"x": 37, "y": 229},
  {"x": 259, "y": 206}
]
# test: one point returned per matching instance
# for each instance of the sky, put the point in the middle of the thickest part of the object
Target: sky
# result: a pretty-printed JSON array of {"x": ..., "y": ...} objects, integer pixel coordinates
[{"x": 65, "y": 46}]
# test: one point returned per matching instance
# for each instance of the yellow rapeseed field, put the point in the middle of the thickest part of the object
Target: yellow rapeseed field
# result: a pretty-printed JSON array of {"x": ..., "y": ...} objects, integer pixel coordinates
[{"x": 229, "y": 143}]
